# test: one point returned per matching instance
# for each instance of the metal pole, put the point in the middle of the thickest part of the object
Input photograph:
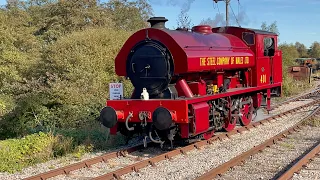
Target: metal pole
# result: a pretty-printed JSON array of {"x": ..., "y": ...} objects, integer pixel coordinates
[
  {"x": 310, "y": 74},
  {"x": 227, "y": 12},
  {"x": 227, "y": 9}
]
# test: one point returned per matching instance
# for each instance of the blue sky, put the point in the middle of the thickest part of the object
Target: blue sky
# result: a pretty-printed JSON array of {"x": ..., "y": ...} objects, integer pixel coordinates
[{"x": 297, "y": 20}]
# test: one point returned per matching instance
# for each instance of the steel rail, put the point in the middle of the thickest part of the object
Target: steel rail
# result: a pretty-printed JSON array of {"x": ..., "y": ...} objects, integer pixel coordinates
[
  {"x": 307, "y": 156},
  {"x": 302, "y": 96},
  {"x": 240, "y": 158},
  {"x": 88, "y": 163},
  {"x": 85, "y": 163},
  {"x": 167, "y": 156}
]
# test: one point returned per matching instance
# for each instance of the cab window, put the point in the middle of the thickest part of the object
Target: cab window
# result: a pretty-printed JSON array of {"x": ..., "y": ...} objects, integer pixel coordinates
[
  {"x": 248, "y": 38},
  {"x": 269, "y": 46}
]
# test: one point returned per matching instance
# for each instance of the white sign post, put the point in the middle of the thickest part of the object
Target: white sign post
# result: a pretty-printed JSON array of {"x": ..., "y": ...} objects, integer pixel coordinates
[{"x": 116, "y": 91}]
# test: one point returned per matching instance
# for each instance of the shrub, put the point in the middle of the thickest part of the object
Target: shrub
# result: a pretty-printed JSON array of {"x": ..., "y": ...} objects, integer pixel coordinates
[
  {"x": 16, "y": 154},
  {"x": 95, "y": 136},
  {"x": 71, "y": 84},
  {"x": 6, "y": 104},
  {"x": 293, "y": 87},
  {"x": 82, "y": 66}
]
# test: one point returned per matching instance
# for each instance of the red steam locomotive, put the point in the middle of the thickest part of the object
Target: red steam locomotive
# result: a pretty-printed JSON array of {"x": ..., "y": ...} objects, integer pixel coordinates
[{"x": 190, "y": 84}]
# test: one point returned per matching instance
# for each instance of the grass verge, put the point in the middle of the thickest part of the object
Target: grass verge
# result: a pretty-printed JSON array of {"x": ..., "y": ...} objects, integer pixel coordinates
[{"x": 16, "y": 154}]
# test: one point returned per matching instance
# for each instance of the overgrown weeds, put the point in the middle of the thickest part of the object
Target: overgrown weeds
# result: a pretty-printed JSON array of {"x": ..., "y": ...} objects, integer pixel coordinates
[
  {"x": 313, "y": 122},
  {"x": 293, "y": 87}
]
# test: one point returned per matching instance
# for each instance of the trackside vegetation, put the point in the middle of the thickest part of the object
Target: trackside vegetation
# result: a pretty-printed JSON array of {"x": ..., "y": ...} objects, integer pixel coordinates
[{"x": 56, "y": 63}]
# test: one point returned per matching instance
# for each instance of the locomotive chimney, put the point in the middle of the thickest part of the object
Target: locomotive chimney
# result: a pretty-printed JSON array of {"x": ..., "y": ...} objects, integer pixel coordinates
[{"x": 158, "y": 22}]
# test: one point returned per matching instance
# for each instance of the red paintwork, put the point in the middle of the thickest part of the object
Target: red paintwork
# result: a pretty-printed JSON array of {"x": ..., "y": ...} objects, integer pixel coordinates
[
  {"x": 187, "y": 49},
  {"x": 272, "y": 66},
  {"x": 178, "y": 105},
  {"x": 277, "y": 67},
  {"x": 208, "y": 135},
  {"x": 135, "y": 106},
  {"x": 229, "y": 126},
  {"x": 183, "y": 88},
  {"x": 120, "y": 114},
  {"x": 198, "y": 88},
  {"x": 200, "y": 57},
  {"x": 203, "y": 29},
  {"x": 268, "y": 99},
  {"x": 231, "y": 92},
  {"x": 257, "y": 99},
  {"x": 220, "y": 79},
  {"x": 184, "y": 130},
  {"x": 201, "y": 117},
  {"x": 246, "y": 115}
]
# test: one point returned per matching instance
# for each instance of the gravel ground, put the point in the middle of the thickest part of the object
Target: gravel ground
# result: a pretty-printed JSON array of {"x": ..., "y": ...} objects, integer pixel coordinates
[
  {"x": 279, "y": 100},
  {"x": 310, "y": 172},
  {"x": 290, "y": 106},
  {"x": 111, "y": 165},
  {"x": 197, "y": 162},
  {"x": 267, "y": 164},
  {"x": 98, "y": 169}
]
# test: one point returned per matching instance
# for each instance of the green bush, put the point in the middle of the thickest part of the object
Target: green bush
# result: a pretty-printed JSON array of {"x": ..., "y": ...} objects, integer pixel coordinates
[
  {"x": 81, "y": 66},
  {"x": 72, "y": 84},
  {"x": 290, "y": 86},
  {"x": 293, "y": 87},
  {"x": 56, "y": 60},
  {"x": 6, "y": 104},
  {"x": 96, "y": 137},
  {"x": 16, "y": 154}
]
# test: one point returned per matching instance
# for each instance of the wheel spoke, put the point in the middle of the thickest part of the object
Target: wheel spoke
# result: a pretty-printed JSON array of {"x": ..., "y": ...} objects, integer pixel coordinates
[{"x": 247, "y": 112}]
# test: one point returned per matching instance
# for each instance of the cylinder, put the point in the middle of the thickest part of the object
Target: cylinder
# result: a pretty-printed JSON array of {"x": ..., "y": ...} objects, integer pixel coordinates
[{"x": 183, "y": 88}]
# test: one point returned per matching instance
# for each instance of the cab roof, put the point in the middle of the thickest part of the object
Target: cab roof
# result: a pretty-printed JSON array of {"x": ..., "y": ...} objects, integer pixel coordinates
[{"x": 256, "y": 31}]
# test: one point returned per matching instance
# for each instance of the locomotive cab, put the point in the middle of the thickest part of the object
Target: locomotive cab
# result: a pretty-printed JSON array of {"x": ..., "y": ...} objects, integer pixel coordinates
[{"x": 268, "y": 58}]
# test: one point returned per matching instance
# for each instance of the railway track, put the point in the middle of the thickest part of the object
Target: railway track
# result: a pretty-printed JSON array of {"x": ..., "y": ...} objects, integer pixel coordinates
[
  {"x": 310, "y": 171},
  {"x": 313, "y": 93},
  {"x": 139, "y": 163},
  {"x": 149, "y": 161},
  {"x": 237, "y": 168},
  {"x": 196, "y": 146},
  {"x": 86, "y": 164},
  {"x": 309, "y": 155}
]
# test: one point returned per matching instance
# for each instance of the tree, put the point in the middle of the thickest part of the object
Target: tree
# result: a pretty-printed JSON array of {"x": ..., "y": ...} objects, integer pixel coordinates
[
  {"x": 301, "y": 48},
  {"x": 184, "y": 20},
  {"x": 56, "y": 18},
  {"x": 129, "y": 15},
  {"x": 57, "y": 58},
  {"x": 273, "y": 27},
  {"x": 289, "y": 54},
  {"x": 315, "y": 50}
]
